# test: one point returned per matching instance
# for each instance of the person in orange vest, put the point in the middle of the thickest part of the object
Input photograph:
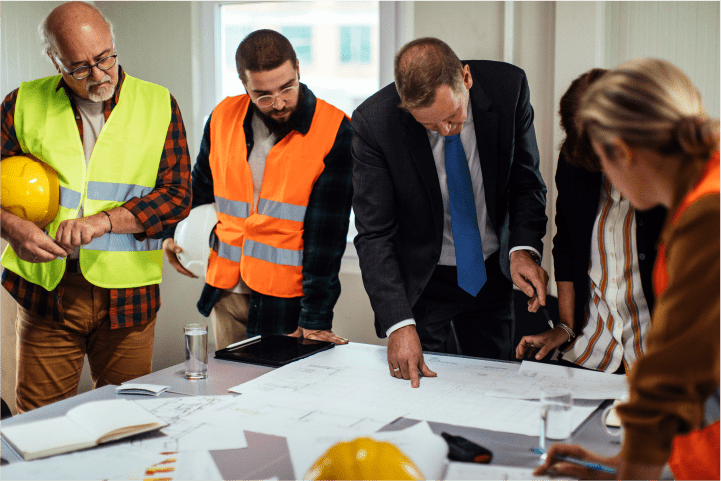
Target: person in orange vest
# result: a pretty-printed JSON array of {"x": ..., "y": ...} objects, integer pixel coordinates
[
  {"x": 648, "y": 126},
  {"x": 276, "y": 161}
]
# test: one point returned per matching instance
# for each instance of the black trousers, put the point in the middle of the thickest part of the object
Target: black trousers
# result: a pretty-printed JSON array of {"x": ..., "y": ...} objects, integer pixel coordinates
[{"x": 483, "y": 323}]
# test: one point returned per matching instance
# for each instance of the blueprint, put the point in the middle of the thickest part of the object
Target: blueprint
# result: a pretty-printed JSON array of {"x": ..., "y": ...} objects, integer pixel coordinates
[
  {"x": 188, "y": 429},
  {"x": 282, "y": 415},
  {"x": 358, "y": 374},
  {"x": 533, "y": 377}
]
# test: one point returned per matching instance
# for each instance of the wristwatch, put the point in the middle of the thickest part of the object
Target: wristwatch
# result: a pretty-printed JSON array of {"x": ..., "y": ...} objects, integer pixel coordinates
[{"x": 534, "y": 256}]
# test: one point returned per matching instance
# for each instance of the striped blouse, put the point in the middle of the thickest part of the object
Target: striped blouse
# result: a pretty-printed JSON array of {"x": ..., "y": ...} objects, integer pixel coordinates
[{"x": 617, "y": 317}]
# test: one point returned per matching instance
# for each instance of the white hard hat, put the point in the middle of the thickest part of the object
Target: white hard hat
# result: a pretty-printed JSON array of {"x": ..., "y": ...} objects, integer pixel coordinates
[{"x": 193, "y": 236}]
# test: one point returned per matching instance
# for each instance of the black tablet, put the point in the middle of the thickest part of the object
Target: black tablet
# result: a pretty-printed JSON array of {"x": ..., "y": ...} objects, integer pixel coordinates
[{"x": 273, "y": 350}]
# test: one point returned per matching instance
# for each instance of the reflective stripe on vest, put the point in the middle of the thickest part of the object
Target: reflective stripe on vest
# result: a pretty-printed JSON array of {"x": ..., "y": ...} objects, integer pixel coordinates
[
  {"x": 269, "y": 235},
  {"x": 122, "y": 243},
  {"x": 694, "y": 455},
  {"x": 233, "y": 208},
  {"x": 274, "y": 255},
  {"x": 116, "y": 192},
  {"x": 69, "y": 198},
  {"x": 279, "y": 210},
  {"x": 123, "y": 165},
  {"x": 225, "y": 251}
]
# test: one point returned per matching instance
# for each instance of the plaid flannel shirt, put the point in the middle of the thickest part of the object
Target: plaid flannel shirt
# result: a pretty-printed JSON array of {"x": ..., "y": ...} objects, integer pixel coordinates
[
  {"x": 165, "y": 206},
  {"x": 325, "y": 228}
]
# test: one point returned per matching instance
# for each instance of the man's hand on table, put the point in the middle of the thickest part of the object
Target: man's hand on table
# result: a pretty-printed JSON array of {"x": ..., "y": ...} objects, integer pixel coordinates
[
  {"x": 405, "y": 355},
  {"x": 318, "y": 335}
]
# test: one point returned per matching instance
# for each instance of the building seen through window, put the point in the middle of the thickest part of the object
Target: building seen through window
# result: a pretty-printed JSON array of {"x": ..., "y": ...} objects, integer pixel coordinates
[{"x": 336, "y": 43}]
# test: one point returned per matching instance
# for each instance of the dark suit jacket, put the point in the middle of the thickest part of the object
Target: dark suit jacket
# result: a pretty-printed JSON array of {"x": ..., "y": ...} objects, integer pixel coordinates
[
  {"x": 397, "y": 197},
  {"x": 579, "y": 192}
]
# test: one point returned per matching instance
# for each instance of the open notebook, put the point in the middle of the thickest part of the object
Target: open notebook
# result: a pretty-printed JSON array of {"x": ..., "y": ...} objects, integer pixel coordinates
[{"x": 82, "y": 427}]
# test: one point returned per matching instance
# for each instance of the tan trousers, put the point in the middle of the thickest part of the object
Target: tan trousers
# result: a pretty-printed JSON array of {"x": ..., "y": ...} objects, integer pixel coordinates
[
  {"x": 50, "y": 355},
  {"x": 230, "y": 318}
]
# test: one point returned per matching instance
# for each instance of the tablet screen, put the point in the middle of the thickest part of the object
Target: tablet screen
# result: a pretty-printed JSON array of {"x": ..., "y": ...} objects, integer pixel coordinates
[{"x": 273, "y": 350}]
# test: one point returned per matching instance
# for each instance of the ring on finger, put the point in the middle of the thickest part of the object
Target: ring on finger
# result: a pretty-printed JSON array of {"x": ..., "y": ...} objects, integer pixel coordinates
[{"x": 396, "y": 369}]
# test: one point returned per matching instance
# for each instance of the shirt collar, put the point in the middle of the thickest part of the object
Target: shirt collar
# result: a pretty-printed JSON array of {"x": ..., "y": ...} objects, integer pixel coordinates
[
  {"x": 70, "y": 93},
  {"x": 611, "y": 190},
  {"x": 308, "y": 106}
]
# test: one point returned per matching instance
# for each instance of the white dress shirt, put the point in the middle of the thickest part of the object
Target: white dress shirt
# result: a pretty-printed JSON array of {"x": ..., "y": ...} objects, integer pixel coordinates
[{"x": 489, "y": 238}]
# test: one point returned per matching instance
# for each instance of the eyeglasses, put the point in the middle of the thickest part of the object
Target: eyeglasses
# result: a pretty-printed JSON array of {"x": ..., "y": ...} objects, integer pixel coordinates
[
  {"x": 83, "y": 72},
  {"x": 269, "y": 100}
]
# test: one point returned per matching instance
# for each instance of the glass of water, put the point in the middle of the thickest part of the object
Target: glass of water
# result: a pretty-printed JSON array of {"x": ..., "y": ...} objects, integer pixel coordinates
[
  {"x": 196, "y": 351},
  {"x": 555, "y": 417}
]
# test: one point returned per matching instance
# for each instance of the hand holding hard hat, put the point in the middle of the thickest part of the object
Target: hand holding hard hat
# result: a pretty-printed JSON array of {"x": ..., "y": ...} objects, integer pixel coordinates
[
  {"x": 189, "y": 250},
  {"x": 30, "y": 189},
  {"x": 30, "y": 200}
]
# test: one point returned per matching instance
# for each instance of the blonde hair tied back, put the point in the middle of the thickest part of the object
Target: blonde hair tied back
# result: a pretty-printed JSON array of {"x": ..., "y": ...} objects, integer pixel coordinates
[
  {"x": 698, "y": 135},
  {"x": 649, "y": 103}
]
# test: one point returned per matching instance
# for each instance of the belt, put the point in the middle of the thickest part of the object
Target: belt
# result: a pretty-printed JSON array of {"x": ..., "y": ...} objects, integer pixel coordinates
[{"x": 72, "y": 266}]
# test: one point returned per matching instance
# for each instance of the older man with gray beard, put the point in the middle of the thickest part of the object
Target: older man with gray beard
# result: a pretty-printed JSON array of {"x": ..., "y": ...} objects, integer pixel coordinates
[{"x": 89, "y": 282}]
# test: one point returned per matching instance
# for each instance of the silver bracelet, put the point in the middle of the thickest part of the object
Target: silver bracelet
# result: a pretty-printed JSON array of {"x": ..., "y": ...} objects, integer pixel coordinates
[{"x": 569, "y": 332}]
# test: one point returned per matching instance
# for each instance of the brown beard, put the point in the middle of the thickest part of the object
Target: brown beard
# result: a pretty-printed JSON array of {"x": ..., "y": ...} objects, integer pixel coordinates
[{"x": 281, "y": 129}]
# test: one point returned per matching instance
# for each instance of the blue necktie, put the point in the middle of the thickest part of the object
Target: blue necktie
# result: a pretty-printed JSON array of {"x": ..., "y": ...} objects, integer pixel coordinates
[{"x": 464, "y": 223}]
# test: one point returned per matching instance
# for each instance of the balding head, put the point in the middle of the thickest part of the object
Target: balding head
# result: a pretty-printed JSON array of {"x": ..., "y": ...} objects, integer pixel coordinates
[
  {"x": 69, "y": 20},
  {"x": 421, "y": 66},
  {"x": 77, "y": 35}
]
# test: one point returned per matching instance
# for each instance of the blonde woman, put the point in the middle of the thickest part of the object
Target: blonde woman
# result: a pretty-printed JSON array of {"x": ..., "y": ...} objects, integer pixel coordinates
[{"x": 647, "y": 124}]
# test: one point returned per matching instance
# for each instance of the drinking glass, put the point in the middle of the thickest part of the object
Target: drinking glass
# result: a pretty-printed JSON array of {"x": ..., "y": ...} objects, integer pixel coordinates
[
  {"x": 196, "y": 351},
  {"x": 555, "y": 416}
]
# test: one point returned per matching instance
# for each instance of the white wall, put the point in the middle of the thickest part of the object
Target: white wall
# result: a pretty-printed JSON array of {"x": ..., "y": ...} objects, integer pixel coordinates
[{"x": 552, "y": 42}]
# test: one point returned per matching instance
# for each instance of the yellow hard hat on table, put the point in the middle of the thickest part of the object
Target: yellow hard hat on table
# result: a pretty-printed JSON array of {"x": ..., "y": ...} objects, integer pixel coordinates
[
  {"x": 30, "y": 189},
  {"x": 364, "y": 458}
]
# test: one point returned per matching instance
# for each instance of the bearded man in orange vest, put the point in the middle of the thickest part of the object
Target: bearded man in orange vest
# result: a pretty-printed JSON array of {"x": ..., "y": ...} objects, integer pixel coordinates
[{"x": 277, "y": 163}]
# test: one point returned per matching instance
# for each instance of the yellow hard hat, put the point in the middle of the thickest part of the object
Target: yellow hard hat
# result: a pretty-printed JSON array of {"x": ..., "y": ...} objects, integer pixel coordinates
[
  {"x": 30, "y": 189},
  {"x": 364, "y": 458}
]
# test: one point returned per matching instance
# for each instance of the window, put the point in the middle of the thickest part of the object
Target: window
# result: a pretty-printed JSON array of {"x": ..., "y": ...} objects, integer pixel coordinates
[
  {"x": 355, "y": 44},
  {"x": 300, "y": 38},
  {"x": 233, "y": 35}
]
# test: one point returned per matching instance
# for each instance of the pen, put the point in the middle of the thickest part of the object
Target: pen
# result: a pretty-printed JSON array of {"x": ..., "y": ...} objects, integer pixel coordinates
[
  {"x": 581, "y": 462},
  {"x": 244, "y": 342},
  {"x": 544, "y": 311},
  {"x": 546, "y": 316},
  {"x": 577, "y": 461}
]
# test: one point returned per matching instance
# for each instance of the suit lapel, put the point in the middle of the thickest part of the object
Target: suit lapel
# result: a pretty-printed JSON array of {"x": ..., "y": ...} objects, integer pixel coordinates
[
  {"x": 419, "y": 147},
  {"x": 485, "y": 124}
]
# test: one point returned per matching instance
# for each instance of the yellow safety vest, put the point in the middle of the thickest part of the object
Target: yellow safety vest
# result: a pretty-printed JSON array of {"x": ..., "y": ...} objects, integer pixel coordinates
[
  {"x": 123, "y": 165},
  {"x": 264, "y": 242}
]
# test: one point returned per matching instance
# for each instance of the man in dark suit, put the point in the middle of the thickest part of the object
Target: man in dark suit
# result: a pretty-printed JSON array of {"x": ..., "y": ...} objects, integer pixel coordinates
[{"x": 448, "y": 143}]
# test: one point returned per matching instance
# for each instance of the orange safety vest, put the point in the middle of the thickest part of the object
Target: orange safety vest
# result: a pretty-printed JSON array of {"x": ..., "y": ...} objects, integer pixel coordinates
[
  {"x": 264, "y": 243},
  {"x": 695, "y": 455}
]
